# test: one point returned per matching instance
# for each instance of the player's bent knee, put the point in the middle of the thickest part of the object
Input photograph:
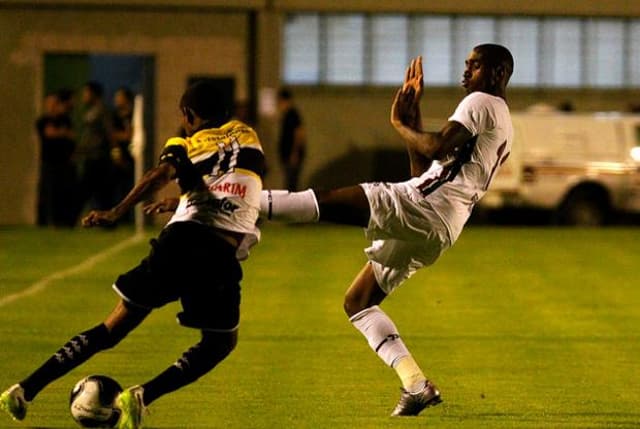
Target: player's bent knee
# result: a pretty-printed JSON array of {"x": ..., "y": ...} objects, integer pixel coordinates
[
  {"x": 353, "y": 304},
  {"x": 361, "y": 296}
]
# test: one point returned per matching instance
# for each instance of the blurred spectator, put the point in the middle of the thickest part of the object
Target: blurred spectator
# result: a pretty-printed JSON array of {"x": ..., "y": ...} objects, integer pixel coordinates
[
  {"x": 94, "y": 150},
  {"x": 65, "y": 97},
  {"x": 292, "y": 144},
  {"x": 58, "y": 177},
  {"x": 122, "y": 132},
  {"x": 541, "y": 107}
]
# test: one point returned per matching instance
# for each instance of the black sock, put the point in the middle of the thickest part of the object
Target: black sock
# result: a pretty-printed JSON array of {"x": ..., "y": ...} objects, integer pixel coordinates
[
  {"x": 78, "y": 350},
  {"x": 194, "y": 363}
]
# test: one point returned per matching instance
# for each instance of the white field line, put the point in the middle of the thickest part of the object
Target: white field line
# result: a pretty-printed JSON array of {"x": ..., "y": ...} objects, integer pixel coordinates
[{"x": 85, "y": 265}]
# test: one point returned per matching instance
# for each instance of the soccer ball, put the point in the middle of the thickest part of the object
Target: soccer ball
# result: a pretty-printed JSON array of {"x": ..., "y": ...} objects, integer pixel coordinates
[{"x": 92, "y": 402}]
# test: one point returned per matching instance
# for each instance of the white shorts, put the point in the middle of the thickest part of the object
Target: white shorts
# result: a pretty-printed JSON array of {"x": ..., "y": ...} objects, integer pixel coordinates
[{"x": 406, "y": 233}]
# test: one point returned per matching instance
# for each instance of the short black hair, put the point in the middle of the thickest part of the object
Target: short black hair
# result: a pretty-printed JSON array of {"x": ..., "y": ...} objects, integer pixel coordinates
[
  {"x": 64, "y": 94},
  {"x": 496, "y": 55},
  {"x": 95, "y": 87},
  {"x": 205, "y": 99},
  {"x": 128, "y": 94}
]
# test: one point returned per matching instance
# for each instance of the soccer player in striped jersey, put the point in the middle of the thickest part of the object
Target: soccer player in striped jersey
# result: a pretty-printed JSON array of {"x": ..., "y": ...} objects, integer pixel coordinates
[
  {"x": 412, "y": 223},
  {"x": 195, "y": 259}
]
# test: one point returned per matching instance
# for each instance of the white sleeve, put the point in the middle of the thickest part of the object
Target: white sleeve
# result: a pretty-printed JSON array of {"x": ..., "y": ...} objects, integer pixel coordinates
[{"x": 475, "y": 113}]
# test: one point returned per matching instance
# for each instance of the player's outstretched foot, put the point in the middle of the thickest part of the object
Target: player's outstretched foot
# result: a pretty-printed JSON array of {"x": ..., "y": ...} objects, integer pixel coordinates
[
  {"x": 410, "y": 404},
  {"x": 13, "y": 403},
  {"x": 131, "y": 408}
]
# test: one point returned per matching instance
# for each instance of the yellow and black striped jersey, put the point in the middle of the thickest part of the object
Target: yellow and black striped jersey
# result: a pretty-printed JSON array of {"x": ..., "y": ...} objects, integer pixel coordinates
[{"x": 231, "y": 163}]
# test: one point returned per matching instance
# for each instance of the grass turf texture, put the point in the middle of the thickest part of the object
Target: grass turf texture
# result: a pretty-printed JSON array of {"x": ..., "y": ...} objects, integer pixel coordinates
[{"x": 525, "y": 328}]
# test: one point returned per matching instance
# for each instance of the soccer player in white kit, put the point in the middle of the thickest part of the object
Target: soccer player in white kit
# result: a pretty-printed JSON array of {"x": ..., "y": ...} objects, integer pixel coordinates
[{"x": 412, "y": 223}]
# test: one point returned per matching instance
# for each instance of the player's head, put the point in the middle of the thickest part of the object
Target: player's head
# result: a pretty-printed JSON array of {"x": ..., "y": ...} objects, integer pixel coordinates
[
  {"x": 285, "y": 99},
  {"x": 50, "y": 104},
  {"x": 123, "y": 98},
  {"x": 92, "y": 92},
  {"x": 202, "y": 104},
  {"x": 488, "y": 69}
]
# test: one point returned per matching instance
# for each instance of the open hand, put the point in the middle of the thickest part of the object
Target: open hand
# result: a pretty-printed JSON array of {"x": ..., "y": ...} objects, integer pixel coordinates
[
  {"x": 401, "y": 109},
  {"x": 162, "y": 206},
  {"x": 405, "y": 111},
  {"x": 414, "y": 79}
]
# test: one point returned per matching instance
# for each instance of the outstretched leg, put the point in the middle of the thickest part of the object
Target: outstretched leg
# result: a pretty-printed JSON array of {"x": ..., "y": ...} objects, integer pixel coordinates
[
  {"x": 194, "y": 363},
  {"x": 361, "y": 305},
  {"x": 346, "y": 206},
  {"x": 76, "y": 351}
]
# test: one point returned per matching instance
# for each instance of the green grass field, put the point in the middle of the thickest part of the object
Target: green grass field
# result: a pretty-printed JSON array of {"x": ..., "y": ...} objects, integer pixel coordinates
[{"x": 520, "y": 328}]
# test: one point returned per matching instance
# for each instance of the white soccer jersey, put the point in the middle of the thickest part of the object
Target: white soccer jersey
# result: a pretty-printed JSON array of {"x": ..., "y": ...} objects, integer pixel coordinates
[
  {"x": 412, "y": 223},
  {"x": 453, "y": 187}
]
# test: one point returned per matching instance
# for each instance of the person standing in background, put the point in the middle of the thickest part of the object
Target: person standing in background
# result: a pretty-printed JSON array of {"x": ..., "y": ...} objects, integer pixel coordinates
[
  {"x": 292, "y": 143},
  {"x": 58, "y": 177},
  {"x": 97, "y": 183},
  {"x": 121, "y": 135}
]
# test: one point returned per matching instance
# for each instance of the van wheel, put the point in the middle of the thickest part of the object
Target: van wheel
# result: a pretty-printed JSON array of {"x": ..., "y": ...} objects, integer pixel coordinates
[{"x": 586, "y": 209}]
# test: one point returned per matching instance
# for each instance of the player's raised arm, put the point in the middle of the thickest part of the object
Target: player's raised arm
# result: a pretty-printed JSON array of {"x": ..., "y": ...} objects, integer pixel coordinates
[
  {"x": 413, "y": 86},
  {"x": 423, "y": 146}
]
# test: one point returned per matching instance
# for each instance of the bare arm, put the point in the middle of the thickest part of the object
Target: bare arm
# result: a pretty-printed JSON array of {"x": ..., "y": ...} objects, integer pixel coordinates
[
  {"x": 169, "y": 204},
  {"x": 153, "y": 180},
  {"x": 423, "y": 146},
  {"x": 53, "y": 131},
  {"x": 436, "y": 145}
]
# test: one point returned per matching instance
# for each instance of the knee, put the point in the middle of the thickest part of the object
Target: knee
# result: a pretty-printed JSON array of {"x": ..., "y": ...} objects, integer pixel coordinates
[
  {"x": 353, "y": 303},
  {"x": 123, "y": 319},
  {"x": 364, "y": 293}
]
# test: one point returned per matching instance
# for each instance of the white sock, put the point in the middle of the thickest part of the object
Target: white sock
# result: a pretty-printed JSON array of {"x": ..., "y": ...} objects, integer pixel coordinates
[
  {"x": 288, "y": 206},
  {"x": 381, "y": 333},
  {"x": 411, "y": 376}
]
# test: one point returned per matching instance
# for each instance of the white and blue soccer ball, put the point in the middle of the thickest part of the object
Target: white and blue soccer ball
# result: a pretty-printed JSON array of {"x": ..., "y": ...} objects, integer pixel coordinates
[{"x": 92, "y": 402}]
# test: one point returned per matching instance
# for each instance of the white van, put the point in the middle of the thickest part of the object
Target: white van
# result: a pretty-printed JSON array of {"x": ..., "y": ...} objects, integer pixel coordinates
[{"x": 581, "y": 166}]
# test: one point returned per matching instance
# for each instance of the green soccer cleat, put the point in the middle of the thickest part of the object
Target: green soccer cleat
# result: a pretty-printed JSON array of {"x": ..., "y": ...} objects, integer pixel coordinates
[
  {"x": 13, "y": 403},
  {"x": 411, "y": 404},
  {"x": 131, "y": 408}
]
